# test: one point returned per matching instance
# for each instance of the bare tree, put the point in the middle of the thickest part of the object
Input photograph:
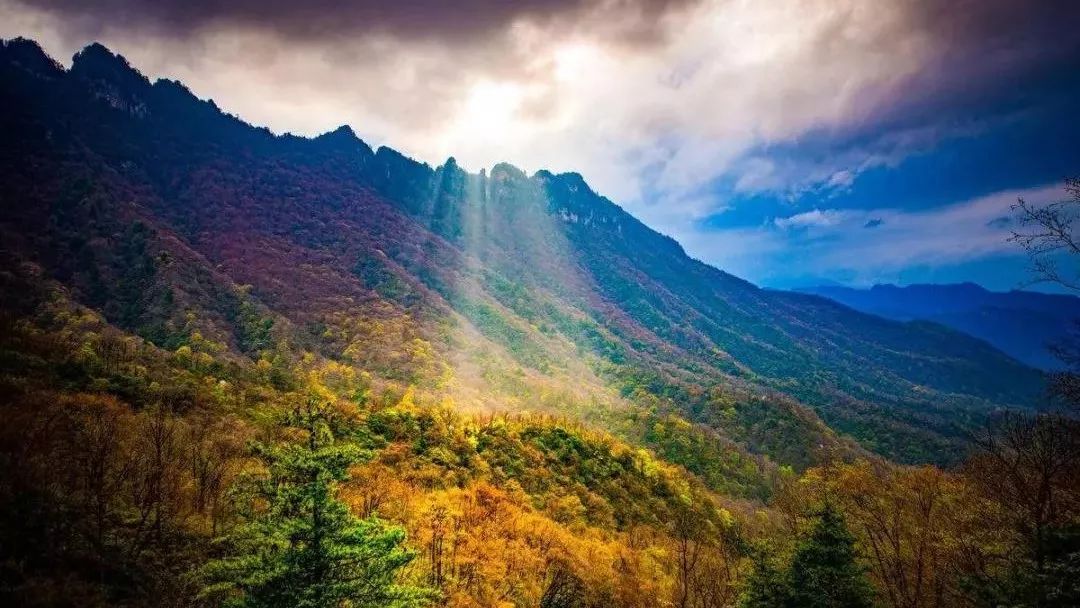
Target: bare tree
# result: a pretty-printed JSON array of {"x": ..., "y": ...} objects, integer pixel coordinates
[
  {"x": 1031, "y": 464},
  {"x": 1048, "y": 233}
]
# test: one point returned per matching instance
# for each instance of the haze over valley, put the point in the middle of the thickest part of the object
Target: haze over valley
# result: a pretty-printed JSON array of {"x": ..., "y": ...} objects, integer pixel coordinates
[{"x": 365, "y": 329}]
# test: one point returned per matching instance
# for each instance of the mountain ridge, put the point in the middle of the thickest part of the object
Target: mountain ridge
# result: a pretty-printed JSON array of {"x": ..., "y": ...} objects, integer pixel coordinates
[
  {"x": 1024, "y": 324},
  {"x": 521, "y": 285}
]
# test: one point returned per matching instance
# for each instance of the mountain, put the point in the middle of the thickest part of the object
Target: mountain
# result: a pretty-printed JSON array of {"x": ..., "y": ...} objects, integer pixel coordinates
[
  {"x": 190, "y": 229},
  {"x": 1025, "y": 325}
]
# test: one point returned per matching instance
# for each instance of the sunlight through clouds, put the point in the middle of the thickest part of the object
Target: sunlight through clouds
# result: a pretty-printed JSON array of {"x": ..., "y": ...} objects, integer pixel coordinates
[{"x": 681, "y": 112}]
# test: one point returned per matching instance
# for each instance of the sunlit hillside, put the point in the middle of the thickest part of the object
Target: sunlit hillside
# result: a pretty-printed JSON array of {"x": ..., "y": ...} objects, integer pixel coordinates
[{"x": 501, "y": 388}]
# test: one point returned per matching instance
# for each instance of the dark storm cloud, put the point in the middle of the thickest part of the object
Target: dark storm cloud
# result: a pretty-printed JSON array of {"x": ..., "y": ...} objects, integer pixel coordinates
[
  {"x": 313, "y": 19},
  {"x": 991, "y": 57},
  {"x": 987, "y": 54},
  {"x": 680, "y": 110},
  {"x": 999, "y": 76}
]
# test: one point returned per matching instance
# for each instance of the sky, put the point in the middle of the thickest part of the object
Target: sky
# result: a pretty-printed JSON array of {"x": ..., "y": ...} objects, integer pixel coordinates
[{"x": 790, "y": 142}]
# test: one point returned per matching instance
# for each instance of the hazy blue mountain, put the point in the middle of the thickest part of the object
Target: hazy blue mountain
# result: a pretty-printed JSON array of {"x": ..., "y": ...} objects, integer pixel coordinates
[{"x": 1023, "y": 324}]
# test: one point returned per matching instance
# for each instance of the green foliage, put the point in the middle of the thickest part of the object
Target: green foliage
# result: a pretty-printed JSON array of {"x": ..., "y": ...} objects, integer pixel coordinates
[
  {"x": 493, "y": 324},
  {"x": 824, "y": 571},
  {"x": 137, "y": 271},
  {"x": 299, "y": 546},
  {"x": 1053, "y": 582},
  {"x": 1061, "y": 579},
  {"x": 155, "y": 218},
  {"x": 547, "y": 458},
  {"x": 766, "y": 586},
  {"x": 714, "y": 458},
  {"x": 253, "y": 328},
  {"x": 376, "y": 275}
]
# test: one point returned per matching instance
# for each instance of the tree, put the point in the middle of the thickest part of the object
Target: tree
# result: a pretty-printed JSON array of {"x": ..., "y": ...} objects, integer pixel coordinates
[
  {"x": 1047, "y": 233},
  {"x": 923, "y": 532},
  {"x": 565, "y": 590},
  {"x": 824, "y": 570},
  {"x": 1030, "y": 463},
  {"x": 1061, "y": 580},
  {"x": 766, "y": 586},
  {"x": 298, "y": 545},
  {"x": 704, "y": 565},
  {"x": 1065, "y": 384}
]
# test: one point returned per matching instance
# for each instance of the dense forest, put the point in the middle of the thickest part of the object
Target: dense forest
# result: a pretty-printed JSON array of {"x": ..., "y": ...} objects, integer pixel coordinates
[{"x": 247, "y": 369}]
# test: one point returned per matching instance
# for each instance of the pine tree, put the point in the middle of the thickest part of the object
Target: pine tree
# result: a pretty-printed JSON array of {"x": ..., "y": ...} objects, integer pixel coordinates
[
  {"x": 766, "y": 586},
  {"x": 824, "y": 572},
  {"x": 300, "y": 547}
]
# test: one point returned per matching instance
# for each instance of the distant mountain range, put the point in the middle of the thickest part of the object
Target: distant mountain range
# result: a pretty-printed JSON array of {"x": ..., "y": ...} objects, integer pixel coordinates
[
  {"x": 1023, "y": 324},
  {"x": 191, "y": 229}
]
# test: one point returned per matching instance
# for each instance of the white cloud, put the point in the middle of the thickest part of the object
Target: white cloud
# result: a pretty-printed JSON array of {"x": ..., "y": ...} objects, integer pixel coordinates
[
  {"x": 730, "y": 76},
  {"x": 816, "y": 217},
  {"x": 835, "y": 242},
  {"x": 651, "y": 125}
]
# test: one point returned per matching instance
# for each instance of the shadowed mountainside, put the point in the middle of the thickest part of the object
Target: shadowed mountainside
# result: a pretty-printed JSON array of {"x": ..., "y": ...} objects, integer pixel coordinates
[{"x": 496, "y": 290}]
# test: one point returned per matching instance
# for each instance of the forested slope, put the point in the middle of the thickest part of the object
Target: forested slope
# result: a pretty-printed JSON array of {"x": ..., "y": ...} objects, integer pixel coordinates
[
  {"x": 495, "y": 276},
  {"x": 526, "y": 379}
]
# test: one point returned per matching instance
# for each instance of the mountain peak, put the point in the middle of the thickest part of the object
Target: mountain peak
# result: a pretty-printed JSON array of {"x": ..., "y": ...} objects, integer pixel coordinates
[
  {"x": 112, "y": 78},
  {"x": 575, "y": 182},
  {"x": 450, "y": 170},
  {"x": 298, "y": 218},
  {"x": 506, "y": 172},
  {"x": 217, "y": 273},
  {"x": 29, "y": 55},
  {"x": 96, "y": 61},
  {"x": 343, "y": 132},
  {"x": 572, "y": 179},
  {"x": 344, "y": 138}
]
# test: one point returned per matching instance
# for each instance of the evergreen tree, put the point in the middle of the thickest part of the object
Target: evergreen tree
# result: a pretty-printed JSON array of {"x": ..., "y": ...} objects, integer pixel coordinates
[
  {"x": 1024, "y": 584},
  {"x": 1061, "y": 581},
  {"x": 824, "y": 571},
  {"x": 300, "y": 547},
  {"x": 766, "y": 586}
]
